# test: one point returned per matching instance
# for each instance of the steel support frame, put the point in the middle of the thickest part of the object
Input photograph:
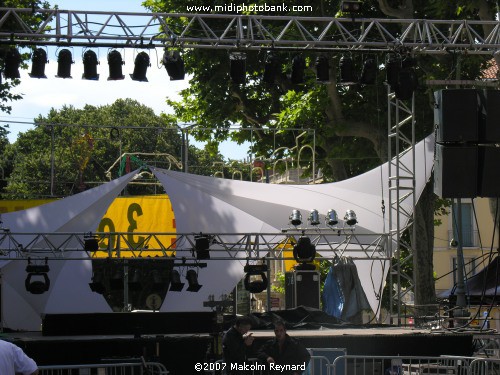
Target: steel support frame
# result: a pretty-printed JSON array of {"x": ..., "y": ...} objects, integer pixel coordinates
[{"x": 401, "y": 140}]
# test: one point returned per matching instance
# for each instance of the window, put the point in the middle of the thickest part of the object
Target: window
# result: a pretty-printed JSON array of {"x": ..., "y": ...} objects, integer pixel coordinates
[
  {"x": 468, "y": 232},
  {"x": 470, "y": 268}
]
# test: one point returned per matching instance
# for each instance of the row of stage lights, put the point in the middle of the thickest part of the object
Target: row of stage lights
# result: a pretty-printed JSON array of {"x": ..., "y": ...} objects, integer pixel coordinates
[
  {"x": 400, "y": 74},
  {"x": 331, "y": 218}
]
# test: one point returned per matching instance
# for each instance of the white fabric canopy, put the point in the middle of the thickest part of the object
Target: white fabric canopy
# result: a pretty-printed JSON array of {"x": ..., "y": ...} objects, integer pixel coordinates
[
  {"x": 214, "y": 205},
  {"x": 69, "y": 290}
]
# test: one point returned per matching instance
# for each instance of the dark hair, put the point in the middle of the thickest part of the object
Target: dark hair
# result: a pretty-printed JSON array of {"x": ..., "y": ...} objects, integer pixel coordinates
[
  {"x": 279, "y": 323},
  {"x": 242, "y": 321}
]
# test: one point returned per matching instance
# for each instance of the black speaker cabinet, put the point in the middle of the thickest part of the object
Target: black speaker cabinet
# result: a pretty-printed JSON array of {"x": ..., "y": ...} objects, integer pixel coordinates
[
  {"x": 489, "y": 121},
  {"x": 302, "y": 289},
  {"x": 456, "y": 171},
  {"x": 456, "y": 115},
  {"x": 489, "y": 172}
]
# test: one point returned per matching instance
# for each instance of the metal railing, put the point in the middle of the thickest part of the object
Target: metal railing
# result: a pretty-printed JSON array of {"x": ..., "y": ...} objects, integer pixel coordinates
[{"x": 136, "y": 368}]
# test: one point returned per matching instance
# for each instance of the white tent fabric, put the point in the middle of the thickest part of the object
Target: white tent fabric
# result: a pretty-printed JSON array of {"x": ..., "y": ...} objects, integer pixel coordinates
[
  {"x": 214, "y": 205},
  {"x": 69, "y": 291}
]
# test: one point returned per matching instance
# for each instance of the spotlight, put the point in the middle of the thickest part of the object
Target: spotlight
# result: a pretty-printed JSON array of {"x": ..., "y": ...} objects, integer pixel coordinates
[
  {"x": 140, "y": 67},
  {"x": 90, "y": 243},
  {"x": 298, "y": 67},
  {"x": 134, "y": 280},
  {"x": 64, "y": 61},
  {"x": 237, "y": 68},
  {"x": 175, "y": 281},
  {"x": 97, "y": 284},
  {"x": 322, "y": 69},
  {"x": 351, "y": 7},
  {"x": 174, "y": 64},
  {"x": 295, "y": 218},
  {"x": 255, "y": 278},
  {"x": 192, "y": 279},
  {"x": 37, "y": 281},
  {"x": 38, "y": 61},
  {"x": 314, "y": 217},
  {"x": 115, "y": 63},
  {"x": 90, "y": 63},
  {"x": 407, "y": 83},
  {"x": 202, "y": 245},
  {"x": 12, "y": 63},
  {"x": 331, "y": 218},
  {"x": 270, "y": 68},
  {"x": 304, "y": 251},
  {"x": 347, "y": 76},
  {"x": 350, "y": 217},
  {"x": 369, "y": 72}
]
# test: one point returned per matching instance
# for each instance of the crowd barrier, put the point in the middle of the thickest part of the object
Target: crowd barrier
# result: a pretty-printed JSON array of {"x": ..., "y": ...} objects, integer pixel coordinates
[{"x": 136, "y": 368}]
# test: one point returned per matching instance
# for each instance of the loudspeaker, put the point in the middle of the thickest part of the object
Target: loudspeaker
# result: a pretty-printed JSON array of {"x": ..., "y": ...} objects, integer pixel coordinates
[
  {"x": 302, "y": 289},
  {"x": 455, "y": 171},
  {"x": 489, "y": 120},
  {"x": 456, "y": 115},
  {"x": 489, "y": 172}
]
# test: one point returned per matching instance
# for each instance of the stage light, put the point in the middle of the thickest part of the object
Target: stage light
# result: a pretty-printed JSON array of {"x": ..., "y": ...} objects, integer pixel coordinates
[
  {"x": 174, "y": 64},
  {"x": 12, "y": 63},
  {"x": 134, "y": 280},
  {"x": 116, "y": 282},
  {"x": 175, "y": 281},
  {"x": 314, "y": 217},
  {"x": 295, "y": 218},
  {"x": 202, "y": 245},
  {"x": 369, "y": 72},
  {"x": 322, "y": 69},
  {"x": 64, "y": 61},
  {"x": 141, "y": 65},
  {"x": 331, "y": 218},
  {"x": 351, "y": 7},
  {"x": 237, "y": 68},
  {"x": 407, "y": 83},
  {"x": 97, "y": 284},
  {"x": 37, "y": 281},
  {"x": 304, "y": 251},
  {"x": 255, "y": 279},
  {"x": 347, "y": 76},
  {"x": 298, "y": 67},
  {"x": 115, "y": 63},
  {"x": 38, "y": 61},
  {"x": 90, "y": 243},
  {"x": 350, "y": 217},
  {"x": 90, "y": 63},
  {"x": 270, "y": 68},
  {"x": 192, "y": 279}
]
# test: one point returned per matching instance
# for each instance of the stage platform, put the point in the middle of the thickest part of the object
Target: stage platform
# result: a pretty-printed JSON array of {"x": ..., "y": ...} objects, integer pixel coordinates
[{"x": 180, "y": 340}]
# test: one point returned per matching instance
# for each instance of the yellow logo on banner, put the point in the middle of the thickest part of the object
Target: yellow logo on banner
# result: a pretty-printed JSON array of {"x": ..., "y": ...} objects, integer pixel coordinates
[{"x": 143, "y": 222}]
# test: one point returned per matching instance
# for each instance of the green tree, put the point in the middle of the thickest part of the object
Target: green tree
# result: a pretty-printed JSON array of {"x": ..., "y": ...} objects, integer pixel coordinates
[{"x": 73, "y": 149}]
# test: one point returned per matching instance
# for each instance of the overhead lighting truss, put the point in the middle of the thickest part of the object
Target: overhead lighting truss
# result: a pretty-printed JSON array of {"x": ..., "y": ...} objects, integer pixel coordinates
[{"x": 252, "y": 32}]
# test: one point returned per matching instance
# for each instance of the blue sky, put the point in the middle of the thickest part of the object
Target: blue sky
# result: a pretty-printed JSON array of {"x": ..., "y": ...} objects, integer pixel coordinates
[{"x": 40, "y": 95}]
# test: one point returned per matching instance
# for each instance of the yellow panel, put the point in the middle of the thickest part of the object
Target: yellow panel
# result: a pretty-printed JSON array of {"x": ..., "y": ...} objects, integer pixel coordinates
[
  {"x": 139, "y": 214},
  {"x": 18, "y": 205}
]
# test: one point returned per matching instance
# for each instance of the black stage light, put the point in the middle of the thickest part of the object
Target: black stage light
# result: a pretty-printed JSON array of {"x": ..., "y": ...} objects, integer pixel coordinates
[
  {"x": 407, "y": 83},
  {"x": 298, "y": 67},
  {"x": 90, "y": 243},
  {"x": 115, "y": 63},
  {"x": 255, "y": 279},
  {"x": 12, "y": 63},
  {"x": 304, "y": 251},
  {"x": 322, "y": 69},
  {"x": 141, "y": 65},
  {"x": 192, "y": 279},
  {"x": 175, "y": 281},
  {"x": 270, "y": 68},
  {"x": 64, "y": 61},
  {"x": 369, "y": 72},
  {"x": 174, "y": 64},
  {"x": 202, "y": 245},
  {"x": 347, "y": 76},
  {"x": 37, "y": 280},
  {"x": 90, "y": 63},
  {"x": 237, "y": 68},
  {"x": 38, "y": 61}
]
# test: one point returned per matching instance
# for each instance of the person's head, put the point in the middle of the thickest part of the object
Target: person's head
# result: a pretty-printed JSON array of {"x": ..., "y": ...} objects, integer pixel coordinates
[
  {"x": 243, "y": 324},
  {"x": 279, "y": 330}
]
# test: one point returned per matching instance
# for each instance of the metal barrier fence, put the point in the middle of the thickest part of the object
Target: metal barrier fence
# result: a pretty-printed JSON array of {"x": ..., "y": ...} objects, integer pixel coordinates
[{"x": 138, "y": 368}]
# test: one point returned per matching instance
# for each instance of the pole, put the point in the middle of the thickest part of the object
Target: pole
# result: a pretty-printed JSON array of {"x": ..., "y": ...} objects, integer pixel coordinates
[{"x": 461, "y": 303}]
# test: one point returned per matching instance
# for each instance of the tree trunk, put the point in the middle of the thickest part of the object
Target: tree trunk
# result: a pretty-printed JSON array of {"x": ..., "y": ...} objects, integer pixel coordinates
[{"x": 425, "y": 292}]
